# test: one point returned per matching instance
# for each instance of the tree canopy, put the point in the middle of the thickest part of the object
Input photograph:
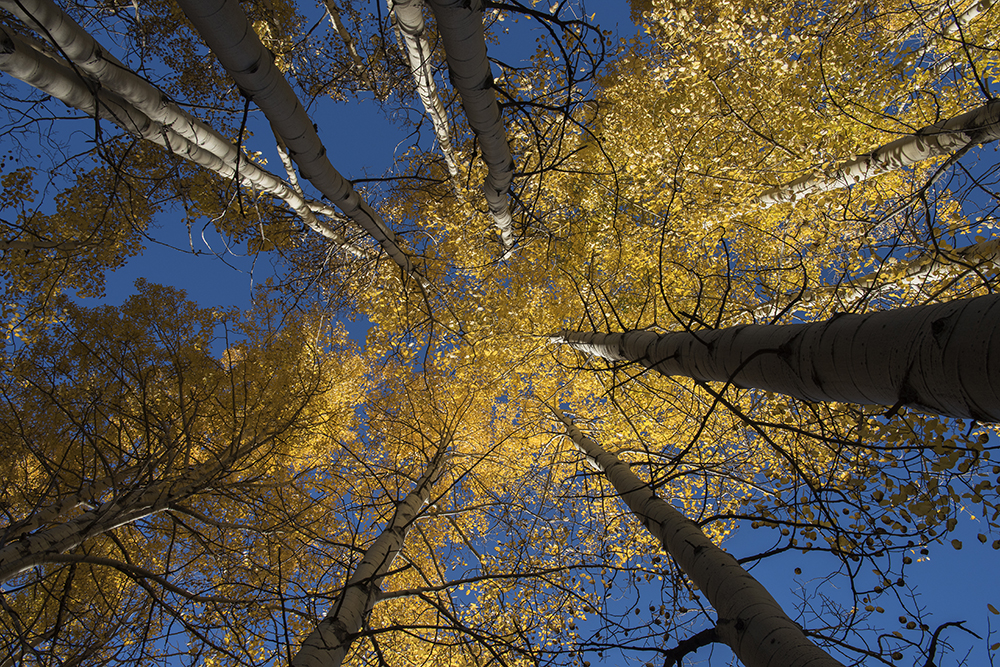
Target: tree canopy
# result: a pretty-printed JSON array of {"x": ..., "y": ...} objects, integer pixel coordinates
[{"x": 653, "y": 305}]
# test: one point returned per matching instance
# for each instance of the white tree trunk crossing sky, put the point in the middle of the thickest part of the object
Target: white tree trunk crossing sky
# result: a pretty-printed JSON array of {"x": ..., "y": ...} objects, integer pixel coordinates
[
  {"x": 750, "y": 620},
  {"x": 460, "y": 23},
  {"x": 921, "y": 270},
  {"x": 327, "y": 645},
  {"x": 410, "y": 21},
  {"x": 942, "y": 358},
  {"x": 979, "y": 126},
  {"x": 227, "y": 32},
  {"x": 178, "y": 132}
]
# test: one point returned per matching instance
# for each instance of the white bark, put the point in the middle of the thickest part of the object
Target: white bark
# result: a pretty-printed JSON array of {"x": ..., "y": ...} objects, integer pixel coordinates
[
  {"x": 952, "y": 26},
  {"x": 982, "y": 256},
  {"x": 19, "y": 59},
  {"x": 942, "y": 358},
  {"x": 32, "y": 550},
  {"x": 64, "y": 504},
  {"x": 409, "y": 20},
  {"x": 352, "y": 51},
  {"x": 978, "y": 126},
  {"x": 460, "y": 23},
  {"x": 225, "y": 28},
  {"x": 327, "y": 645},
  {"x": 750, "y": 620}
]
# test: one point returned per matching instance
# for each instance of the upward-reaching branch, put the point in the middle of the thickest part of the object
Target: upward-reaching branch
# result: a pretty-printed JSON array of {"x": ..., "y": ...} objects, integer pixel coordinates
[
  {"x": 36, "y": 548},
  {"x": 952, "y": 24},
  {"x": 225, "y": 28},
  {"x": 352, "y": 51},
  {"x": 927, "y": 268},
  {"x": 750, "y": 621},
  {"x": 460, "y": 23},
  {"x": 133, "y": 104}
]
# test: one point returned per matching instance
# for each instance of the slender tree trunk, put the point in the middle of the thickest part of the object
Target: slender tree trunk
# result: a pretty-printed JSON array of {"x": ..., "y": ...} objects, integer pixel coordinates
[
  {"x": 410, "y": 21},
  {"x": 225, "y": 28},
  {"x": 352, "y": 51},
  {"x": 942, "y": 358},
  {"x": 64, "y": 504},
  {"x": 931, "y": 267},
  {"x": 19, "y": 59},
  {"x": 750, "y": 620},
  {"x": 33, "y": 549},
  {"x": 460, "y": 23},
  {"x": 327, "y": 645},
  {"x": 978, "y": 126},
  {"x": 952, "y": 26}
]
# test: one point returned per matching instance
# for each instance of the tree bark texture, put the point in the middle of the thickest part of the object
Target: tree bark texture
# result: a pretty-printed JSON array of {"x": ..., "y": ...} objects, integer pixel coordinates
[
  {"x": 32, "y": 550},
  {"x": 327, "y": 645},
  {"x": 100, "y": 99},
  {"x": 942, "y": 358},
  {"x": 352, "y": 51},
  {"x": 410, "y": 22},
  {"x": 460, "y": 23},
  {"x": 64, "y": 504},
  {"x": 750, "y": 620},
  {"x": 227, "y": 32},
  {"x": 978, "y": 126},
  {"x": 951, "y": 27}
]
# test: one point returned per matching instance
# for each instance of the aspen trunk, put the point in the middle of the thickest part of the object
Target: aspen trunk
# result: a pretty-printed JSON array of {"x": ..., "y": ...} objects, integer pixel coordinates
[
  {"x": 327, "y": 645},
  {"x": 20, "y": 60},
  {"x": 932, "y": 267},
  {"x": 460, "y": 23},
  {"x": 64, "y": 504},
  {"x": 410, "y": 22},
  {"x": 352, "y": 51},
  {"x": 227, "y": 32},
  {"x": 952, "y": 26},
  {"x": 32, "y": 550},
  {"x": 978, "y": 126},
  {"x": 942, "y": 359},
  {"x": 750, "y": 620}
]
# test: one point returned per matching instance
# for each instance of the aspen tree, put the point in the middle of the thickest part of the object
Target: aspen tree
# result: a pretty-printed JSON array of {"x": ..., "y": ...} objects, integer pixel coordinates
[
  {"x": 750, "y": 621},
  {"x": 924, "y": 270},
  {"x": 328, "y": 643},
  {"x": 231, "y": 38},
  {"x": 939, "y": 358},
  {"x": 461, "y": 27},
  {"x": 409, "y": 19},
  {"x": 978, "y": 126},
  {"x": 140, "y": 109}
]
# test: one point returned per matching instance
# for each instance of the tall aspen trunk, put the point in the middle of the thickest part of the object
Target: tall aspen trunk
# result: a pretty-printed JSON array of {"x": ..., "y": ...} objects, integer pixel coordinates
[
  {"x": 952, "y": 25},
  {"x": 932, "y": 267},
  {"x": 410, "y": 22},
  {"x": 978, "y": 126},
  {"x": 460, "y": 23},
  {"x": 942, "y": 358},
  {"x": 206, "y": 148},
  {"x": 31, "y": 550},
  {"x": 227, "y": 32},
  {"x": 327, "y": 645},
  {"x": 750, "y": 620}
]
